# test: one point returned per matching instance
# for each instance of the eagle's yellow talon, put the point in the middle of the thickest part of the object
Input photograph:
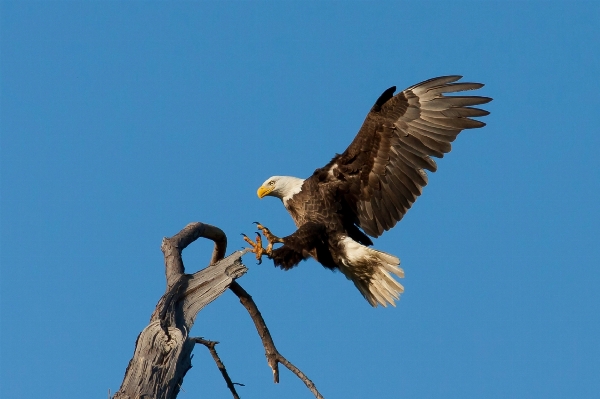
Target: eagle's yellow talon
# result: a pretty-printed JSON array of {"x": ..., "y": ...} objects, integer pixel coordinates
[
  {"x": 249, "y": 241},
  {"x": 257, "y": 247},
  {"x": 271, "y": 238}
]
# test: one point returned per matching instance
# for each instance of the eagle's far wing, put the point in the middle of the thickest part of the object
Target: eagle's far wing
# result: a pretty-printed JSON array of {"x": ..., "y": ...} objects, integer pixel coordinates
[{"x": 381, "y": 173}]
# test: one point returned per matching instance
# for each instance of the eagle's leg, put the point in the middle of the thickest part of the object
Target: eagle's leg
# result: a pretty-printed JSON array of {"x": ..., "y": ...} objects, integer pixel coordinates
[{"x": 271, "y": 238}]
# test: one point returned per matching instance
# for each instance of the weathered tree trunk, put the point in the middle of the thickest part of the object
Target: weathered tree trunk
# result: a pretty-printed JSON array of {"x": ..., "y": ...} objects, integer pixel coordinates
[{"x": 163, "y": 349}]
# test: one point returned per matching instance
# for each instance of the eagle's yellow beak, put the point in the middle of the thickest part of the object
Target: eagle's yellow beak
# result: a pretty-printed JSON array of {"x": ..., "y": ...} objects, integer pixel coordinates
[{"x": 262, "y": 191}]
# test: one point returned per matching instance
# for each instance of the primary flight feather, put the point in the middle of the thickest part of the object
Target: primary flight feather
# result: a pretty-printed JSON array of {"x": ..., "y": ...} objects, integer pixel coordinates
[{"x": 368, "y": 188}]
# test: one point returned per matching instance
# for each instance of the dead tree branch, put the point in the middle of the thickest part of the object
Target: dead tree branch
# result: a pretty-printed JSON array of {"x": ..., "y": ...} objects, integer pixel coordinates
[
  {"x": 271, "y": 352},
  {"x": 163, "y": 349},
  {"x": 211, "y": 347},
  {"x": 261, "y": 327},
  {"x": 309, "y": 384}
]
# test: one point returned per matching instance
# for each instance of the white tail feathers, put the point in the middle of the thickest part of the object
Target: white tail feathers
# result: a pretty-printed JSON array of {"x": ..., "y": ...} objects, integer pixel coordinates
[{"x": 370, "y": 270}]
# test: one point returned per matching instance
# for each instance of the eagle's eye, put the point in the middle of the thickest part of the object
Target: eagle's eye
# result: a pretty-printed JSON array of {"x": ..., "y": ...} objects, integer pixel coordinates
[{"x": 271, "y": 183}]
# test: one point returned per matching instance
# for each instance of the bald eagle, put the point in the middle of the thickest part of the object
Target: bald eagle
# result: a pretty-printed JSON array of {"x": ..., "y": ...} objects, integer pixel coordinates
[{"x": 368, "y": 188}]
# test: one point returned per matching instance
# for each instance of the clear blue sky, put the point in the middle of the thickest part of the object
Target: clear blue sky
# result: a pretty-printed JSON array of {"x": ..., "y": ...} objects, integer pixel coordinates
[{"x": 123, "y": 122}]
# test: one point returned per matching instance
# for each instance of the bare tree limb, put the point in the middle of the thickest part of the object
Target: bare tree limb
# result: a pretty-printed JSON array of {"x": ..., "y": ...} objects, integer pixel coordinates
[
  {"x": 271, "y": 352},
  {"x": 309, "y": 384},
  {"x": 263, "y": 331},
  {"x": 211, "y": 347}
]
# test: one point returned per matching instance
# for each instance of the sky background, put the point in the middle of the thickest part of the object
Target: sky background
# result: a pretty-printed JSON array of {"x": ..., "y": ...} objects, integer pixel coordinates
[{"x": 121, "y": 122}]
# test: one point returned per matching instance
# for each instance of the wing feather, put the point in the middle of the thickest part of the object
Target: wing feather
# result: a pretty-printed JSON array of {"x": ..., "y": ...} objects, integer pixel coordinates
[
  {"x": 423, "y": 124},
  {"x": 415, "y": 174},
  {"x": 433, "y": 83},
  {"x": 448, "y": 138},
  {"x": 461, "y": 123},
  {"x": 418, "y": 162},
  {"x": 454, "y": 112}
]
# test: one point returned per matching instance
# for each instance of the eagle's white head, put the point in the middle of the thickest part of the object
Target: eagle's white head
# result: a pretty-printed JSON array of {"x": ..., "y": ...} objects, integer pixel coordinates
[{"x": 282, "y": 187}]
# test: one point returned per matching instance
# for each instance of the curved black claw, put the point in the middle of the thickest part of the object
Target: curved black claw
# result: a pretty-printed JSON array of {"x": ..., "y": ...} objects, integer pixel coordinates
[{"x": 255, "y": 223}]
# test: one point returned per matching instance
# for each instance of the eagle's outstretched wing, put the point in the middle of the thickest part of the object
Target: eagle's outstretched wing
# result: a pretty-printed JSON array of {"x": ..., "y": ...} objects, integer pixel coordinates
[{"x": 381, "y": 174}]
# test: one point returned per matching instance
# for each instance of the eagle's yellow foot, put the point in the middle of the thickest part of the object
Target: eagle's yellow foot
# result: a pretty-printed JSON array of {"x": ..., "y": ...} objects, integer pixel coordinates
[
  {"x": 271, "y": 238},
  {"x": 257, "y": 247}
]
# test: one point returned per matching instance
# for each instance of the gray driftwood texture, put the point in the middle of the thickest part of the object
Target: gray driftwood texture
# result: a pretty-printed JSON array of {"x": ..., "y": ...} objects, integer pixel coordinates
[{"x": 163, "y": 349}]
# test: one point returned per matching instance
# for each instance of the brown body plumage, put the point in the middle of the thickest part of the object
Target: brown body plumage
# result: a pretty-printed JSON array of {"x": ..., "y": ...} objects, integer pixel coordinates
[{"x": 372, "y": 184}]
